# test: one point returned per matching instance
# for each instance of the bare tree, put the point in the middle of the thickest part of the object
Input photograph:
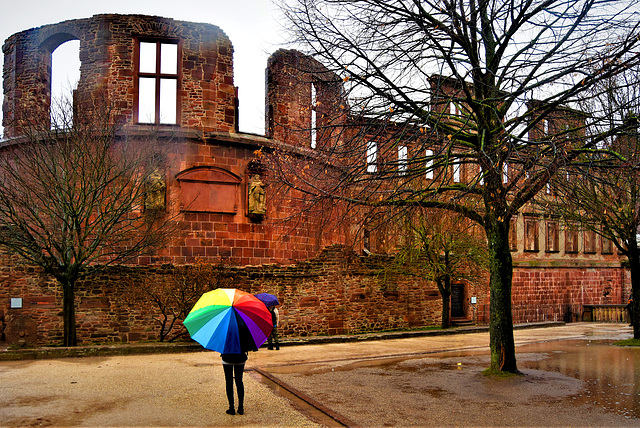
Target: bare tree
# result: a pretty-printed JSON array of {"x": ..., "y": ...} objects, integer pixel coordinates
[
  {"x": 441, "y": 113},
  {"x": 76, "y": 196}
]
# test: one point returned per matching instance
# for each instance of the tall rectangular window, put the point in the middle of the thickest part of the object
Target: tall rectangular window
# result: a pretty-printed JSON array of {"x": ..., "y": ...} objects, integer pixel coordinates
[
  {"x": 553, "y": 238},
  {"x": 402, "y": 159},
  {"x": 457, "y": 174},
  {"x": 314, "y": 119},
  {"x": 429, "y": 165},
  {"x": 157, "y": 82},
  {"x": 531, "y": 234},
  {"x": 570, "y": 240},
  {"x": 513, "y": 234},
  {"x": 589, "y": 237},
  {"x": 372, "y": 156}
]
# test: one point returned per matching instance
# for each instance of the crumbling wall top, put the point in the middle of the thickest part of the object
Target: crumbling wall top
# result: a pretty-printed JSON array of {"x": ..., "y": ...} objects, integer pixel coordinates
[{"x": 201, "y": 92}]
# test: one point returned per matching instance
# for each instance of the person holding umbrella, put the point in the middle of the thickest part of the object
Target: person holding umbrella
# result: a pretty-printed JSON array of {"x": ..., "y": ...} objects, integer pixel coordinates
[
  {"x": 233, "y": 365},
  {"x": 273, "y": 337},
  {"x": 233, "y": 323},
  {"x": 271, "y": 301}
]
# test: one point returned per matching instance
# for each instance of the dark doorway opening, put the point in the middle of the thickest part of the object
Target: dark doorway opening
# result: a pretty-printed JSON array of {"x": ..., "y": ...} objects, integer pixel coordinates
[{"x": 457, "y": 301}]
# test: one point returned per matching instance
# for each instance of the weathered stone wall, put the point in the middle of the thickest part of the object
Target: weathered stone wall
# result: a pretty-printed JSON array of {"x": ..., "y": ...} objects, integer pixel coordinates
[
  {"x": 297, "y": 87},
  {"x": 336, "y": 293},
  {"x": 207, "y": 98}
]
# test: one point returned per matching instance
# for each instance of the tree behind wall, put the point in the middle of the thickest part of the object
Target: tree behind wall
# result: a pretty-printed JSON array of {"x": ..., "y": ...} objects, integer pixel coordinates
[
  {"x": 75, "y": 197},
  {"x": 450, "y": 82}
]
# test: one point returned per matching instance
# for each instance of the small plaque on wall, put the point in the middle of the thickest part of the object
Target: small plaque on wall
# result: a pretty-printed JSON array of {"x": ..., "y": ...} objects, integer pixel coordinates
[{"x": 16, "y": 303}]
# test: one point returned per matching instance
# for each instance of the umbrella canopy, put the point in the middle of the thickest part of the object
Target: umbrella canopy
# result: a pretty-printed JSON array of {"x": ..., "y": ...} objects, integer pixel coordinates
[
  {"x": 268, "y": 299},
  {"x": 229, "y": 321}
]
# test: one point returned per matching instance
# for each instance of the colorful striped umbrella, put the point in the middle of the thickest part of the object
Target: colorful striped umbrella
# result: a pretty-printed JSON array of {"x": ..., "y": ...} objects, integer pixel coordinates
[{"x": 229, "y": 321}]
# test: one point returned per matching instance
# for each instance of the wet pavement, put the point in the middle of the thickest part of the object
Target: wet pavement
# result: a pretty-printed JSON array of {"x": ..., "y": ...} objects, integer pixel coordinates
[{"x": 573, "y": 377}]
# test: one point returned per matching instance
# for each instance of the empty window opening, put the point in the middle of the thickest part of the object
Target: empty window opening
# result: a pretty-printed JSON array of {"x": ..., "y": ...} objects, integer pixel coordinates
[
  {"x": 607, "y": 246},
  {"x": 589, "y": 237},
  {"x": 453, "y": 109},
  {"x": 314, "y": 123},
  {"x": 456, "y": 170},
  {"x": 372, "y": 156},
  {"x": 65, "y": 74},
  {"x": 552, "y": 237},
  {"x": 571, "y": 240},
  {"x": 402, "y": 159},
  {"x": 513, "y": 234},
  {"x": 531, "y": 234},
  {"x": 158, "y": 82},
  {"x": 429, "y": 165}
]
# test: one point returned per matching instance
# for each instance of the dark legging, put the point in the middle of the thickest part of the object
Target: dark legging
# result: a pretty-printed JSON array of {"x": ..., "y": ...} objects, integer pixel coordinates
[{"x": 234, "y": 371}]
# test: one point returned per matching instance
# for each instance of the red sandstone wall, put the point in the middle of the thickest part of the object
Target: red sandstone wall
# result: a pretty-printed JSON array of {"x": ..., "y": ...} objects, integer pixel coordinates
[
  {"x": 337, "y": 292},
  {"x": 207, "y": 95},
  {"x": 551, "y": 293}
]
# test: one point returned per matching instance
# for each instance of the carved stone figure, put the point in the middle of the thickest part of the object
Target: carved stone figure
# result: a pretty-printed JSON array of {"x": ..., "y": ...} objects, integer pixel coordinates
[
  {"x": 257, "y": 196},
  {"x": 155, "y": 196}
]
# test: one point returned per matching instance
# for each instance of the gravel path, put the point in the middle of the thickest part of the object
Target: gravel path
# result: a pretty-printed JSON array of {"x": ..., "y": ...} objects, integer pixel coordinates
[{"x": 425, "y": 381}]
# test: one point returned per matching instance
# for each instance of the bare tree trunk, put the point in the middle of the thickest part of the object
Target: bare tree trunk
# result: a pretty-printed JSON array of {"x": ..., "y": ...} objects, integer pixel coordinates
[
  {"x": 634, "y": 267},
  {"x": 503, "y": 354},
  {"x": 69, "y": 313},
  {"x": 445, "y": 292}
]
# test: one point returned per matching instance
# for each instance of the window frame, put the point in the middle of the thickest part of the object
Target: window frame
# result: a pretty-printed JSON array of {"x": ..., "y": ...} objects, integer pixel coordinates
[
  {"x": 571, "y": 237},
  {"x": 590, "y": 241},
  {"x": 531, "y": 234},
  {"x": 552, "y": 236},
  {"x": 159, "y": 77},
  {"x": 607, "y": 246}
]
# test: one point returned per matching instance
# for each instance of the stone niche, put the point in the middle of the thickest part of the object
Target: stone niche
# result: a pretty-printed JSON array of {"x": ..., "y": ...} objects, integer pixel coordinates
[{"x": 209, "y": 189}]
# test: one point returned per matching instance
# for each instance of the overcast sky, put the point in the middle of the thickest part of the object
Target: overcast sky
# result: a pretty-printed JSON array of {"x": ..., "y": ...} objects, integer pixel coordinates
[{"x": 252, "y": 26}]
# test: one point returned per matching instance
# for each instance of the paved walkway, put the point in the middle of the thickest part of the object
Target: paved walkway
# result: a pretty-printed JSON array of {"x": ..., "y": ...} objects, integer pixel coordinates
[{"x": 308, "y": 385}]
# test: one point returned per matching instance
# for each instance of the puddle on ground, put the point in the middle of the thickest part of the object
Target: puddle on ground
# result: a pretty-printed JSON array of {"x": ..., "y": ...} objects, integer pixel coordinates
[{"x": 611, "y": 374}]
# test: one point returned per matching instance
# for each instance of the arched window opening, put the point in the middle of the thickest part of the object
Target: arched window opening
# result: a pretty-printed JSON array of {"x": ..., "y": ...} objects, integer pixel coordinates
[{"x": 65, "y": 73}]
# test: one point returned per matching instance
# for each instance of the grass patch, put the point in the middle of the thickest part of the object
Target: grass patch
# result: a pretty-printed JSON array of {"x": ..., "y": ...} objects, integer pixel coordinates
[
  {"x": 496, "y": 373},
  {"x": 628, "y": 342}
]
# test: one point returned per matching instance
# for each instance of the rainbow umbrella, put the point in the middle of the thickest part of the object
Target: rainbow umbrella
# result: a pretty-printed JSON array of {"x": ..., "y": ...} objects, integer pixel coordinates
[{"x": 229, "y": 321}]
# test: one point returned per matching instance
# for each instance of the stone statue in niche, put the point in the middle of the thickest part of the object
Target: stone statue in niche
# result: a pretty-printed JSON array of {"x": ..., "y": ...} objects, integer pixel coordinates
[
  {"x": 257, "y": 196},
  {"x": 156, "y": 190}
]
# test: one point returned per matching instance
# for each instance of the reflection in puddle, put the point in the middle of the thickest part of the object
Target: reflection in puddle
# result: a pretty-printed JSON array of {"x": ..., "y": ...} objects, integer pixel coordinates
[{"x": 611, "y": 373}]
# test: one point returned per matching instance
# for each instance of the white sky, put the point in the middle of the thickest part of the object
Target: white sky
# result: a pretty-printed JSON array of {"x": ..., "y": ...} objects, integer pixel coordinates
[{"x": 252, "y": 26}]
